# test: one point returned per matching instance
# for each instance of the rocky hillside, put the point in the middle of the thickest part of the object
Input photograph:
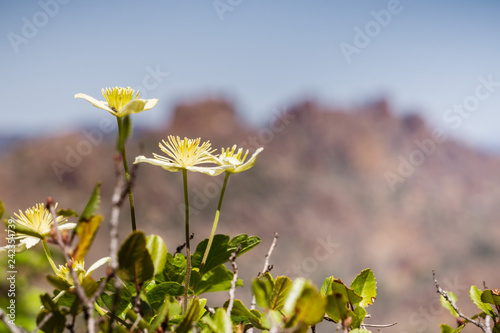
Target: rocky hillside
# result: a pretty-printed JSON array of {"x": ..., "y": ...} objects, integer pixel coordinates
[{"x": 345, "y": 190}]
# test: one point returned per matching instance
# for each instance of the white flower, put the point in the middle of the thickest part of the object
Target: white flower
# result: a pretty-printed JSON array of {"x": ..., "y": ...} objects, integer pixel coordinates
[
  {"x": 35, "y": 224},
  {"x": 120, "y": 101},
  {"x": 235, "y": 163},
  {"x": 184, "y": 154},
  {"x": 79, "y": 268}
]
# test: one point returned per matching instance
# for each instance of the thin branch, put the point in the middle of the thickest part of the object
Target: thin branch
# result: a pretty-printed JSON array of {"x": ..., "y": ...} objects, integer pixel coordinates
[
  {"x": 135, "y": 324},
  {"x": 80, "y": 292},
  {"x": 209, "y": 309},
  {"x": 454, "y": 306},
  {"x": 44, "y": 320},
  {"x": 232, "y": 259},
  {"x": 183, "y": 245},
  {"x": 268, "y": 267},
  {"x": 118, "y": 201},
  {"x": 5, "y": 320},
  {"x": 487, "y": 323},
  {"x": 119, "y": 195},
  {"x": 379, "y": 326}
]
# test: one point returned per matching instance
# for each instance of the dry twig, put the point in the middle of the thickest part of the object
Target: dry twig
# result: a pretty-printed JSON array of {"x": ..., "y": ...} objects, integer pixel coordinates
[
  {"x": 235, "y": 279},
  {"x": 119, "y": 195},
  {"x": 266, "y": 269},
  {"x": 80, "y": 291},
  {"x": 5, "y": 320},
  {"x": 443, "y": 293}
]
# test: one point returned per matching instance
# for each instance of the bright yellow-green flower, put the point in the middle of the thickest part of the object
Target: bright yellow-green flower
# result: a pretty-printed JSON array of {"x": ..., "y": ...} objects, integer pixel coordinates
[
  {"x": 121, "y": 101},
  {"x": 35, "y": 224},
  {"x": 184, "y": 154},
  {"x": 79, "y": 268},
  {"x": 234, "y": 162}
]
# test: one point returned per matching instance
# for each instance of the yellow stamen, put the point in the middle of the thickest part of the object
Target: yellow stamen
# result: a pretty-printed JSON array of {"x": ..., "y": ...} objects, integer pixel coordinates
[{"x": 118, "y": 97}]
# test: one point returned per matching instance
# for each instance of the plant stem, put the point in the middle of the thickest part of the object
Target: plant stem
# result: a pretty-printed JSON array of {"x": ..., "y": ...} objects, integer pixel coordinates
[
  {"x": 121, "y": 148},
  {"x": 49, "y": 256},
  {"x": 188, "y": 248},
  {"x": 216, "y": 220}
]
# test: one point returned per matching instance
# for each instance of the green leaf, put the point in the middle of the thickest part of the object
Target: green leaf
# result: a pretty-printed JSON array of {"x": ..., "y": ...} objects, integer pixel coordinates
[
  {"x": 240, "y": 310},
  {"x": 70, "y": 301},
  {"x": 447, "y": 304},
  {"x": 67, "y": 213},
  {"x": 271, "y": 294},
  {"x": 104, "y": 327},
  {"x": 86, "y": 231},
  {"x": 280, "y": 291},
  {"x": 158, "y": 294},
  {"x": 331, "y": 286},
  {"x": 247, "y": 243},
  {"x": 218, "y": 279},
  {"x": 304, "y": 304},
  {"x": 475, "y": 296},
  {"x": 92, "y": 205},
  {"x": 337, "y": 309},
  {"x": 219, "y": 253},
  {"x": 262, "y": 289},
  {"x": 169, "y": 307},
  {"x": 491, "y": 297},
  {"x": 2, "y": 209},
  {"x": 359, "y": 316},
  {"x": 360, "y": 330},
  {"x": 125, "y": 297},
  {"x": 326, "y": 287},
  {"x": 58, "y": 282},
  {"x": 220, "y": 322},
  {"x": 158, "y": 252},
  {"x": 221, "y": 249},
  {"x": 175, "y": 268},
  {"x": 89, "y": 285},
  {"x": 449, "y": 329},
  {"x": 55, "y": 324},
  {"x": 57, "y": 321},
  {"x": 191, "y": 316},
  {"x": 141, "y": 323},
  {"x": 365, "y": 286},
  {"x": 48, "y": 303},
  {"x": 134, "y": 259}
]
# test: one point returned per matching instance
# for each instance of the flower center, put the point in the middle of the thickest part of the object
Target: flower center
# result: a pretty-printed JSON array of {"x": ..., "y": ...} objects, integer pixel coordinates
[
  {"x": 118, "y": 97},
  {"x": 187, "y": 152}
]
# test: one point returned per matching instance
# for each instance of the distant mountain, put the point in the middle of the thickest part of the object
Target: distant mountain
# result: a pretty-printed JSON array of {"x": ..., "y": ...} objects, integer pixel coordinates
[
  {"x": 345, "y": 189},
  {"x": 6, "y": 141}
]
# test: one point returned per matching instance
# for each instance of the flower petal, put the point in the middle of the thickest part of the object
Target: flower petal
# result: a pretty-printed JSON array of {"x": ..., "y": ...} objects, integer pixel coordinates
[
  {"x": 135, "y": 106},
  {"x": 98, "y": 104},
  {"x": 250, "y": 163},
  {"x": 97, "y": 264},
  {"x": 28, "y": 241},
  {"x": 211, "y": 171},
  {"x": 165, "y": 165},
  {"x": 150, "y": 103},
  {"x": 233, "y": 161},
  {"x": 67, "y": 226}
]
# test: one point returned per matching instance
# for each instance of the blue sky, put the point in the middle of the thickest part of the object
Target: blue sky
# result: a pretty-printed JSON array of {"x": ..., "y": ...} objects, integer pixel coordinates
[{"x": 424, "y": 56}]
